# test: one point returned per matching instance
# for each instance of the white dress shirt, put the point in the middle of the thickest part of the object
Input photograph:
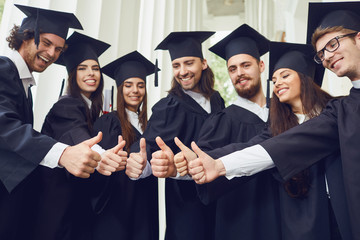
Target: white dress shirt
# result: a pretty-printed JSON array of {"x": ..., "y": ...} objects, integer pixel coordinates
[
  {"x": 261, "y": 112},
  {"x": 200, "y": 99}
]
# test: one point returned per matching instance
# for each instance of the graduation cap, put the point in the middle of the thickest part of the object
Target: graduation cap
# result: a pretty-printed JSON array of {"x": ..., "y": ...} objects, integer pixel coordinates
[
  {"x": 333, "y": 14},
  {"x": 297, "y": 57},
  {"x": 243, "y": 40},
  {"x": 184, "y": 44},
  {"x": 128, "y": 66},
  {"x": 81, "y": 48},
  {"x": 47, "y": 21}
]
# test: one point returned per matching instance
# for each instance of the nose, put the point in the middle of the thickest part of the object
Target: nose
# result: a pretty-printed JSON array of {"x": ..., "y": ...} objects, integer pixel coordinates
[
  {"x": 135, "y": 89},
  {"x": 183, "y": 70},
  {"x": 91, "y": 72},
  {"x": 328, "y": 55},
  {"x": 51, "y": 51},
  {"x": 240, "y": 71}
]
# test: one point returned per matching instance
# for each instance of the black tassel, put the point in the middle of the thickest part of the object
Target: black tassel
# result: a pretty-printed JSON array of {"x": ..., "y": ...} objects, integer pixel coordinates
[
  {"x": 37, "y": 30},
  {"x": 268, "y": 93},
  {"x": 112, "y": 99},
  {"x": 156, "y": 82},
  {"x": 62, "y": 88}
]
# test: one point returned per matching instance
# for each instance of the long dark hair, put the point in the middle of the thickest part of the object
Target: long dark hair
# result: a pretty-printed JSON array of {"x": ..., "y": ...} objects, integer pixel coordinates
[
  {"x": 128, "y": 132},
  {"x": 96, "y": 97},
  {"x": 282, "y": 118},
  {"x": 206, "y": 84}
]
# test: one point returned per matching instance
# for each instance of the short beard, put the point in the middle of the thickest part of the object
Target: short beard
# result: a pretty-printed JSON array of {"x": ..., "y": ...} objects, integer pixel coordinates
[{"x": 249, "y": 92}]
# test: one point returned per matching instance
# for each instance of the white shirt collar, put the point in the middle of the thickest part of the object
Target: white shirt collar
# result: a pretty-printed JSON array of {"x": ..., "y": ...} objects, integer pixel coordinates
[
  {"x": 25, "y": 75},
  {"x": 133, "y": 117},
  {"x": 88, "y": 101},
  {"x": 356, "y": 84},
  {"x": 200, "y": 99},
  {"x": 261, "y": 112}
]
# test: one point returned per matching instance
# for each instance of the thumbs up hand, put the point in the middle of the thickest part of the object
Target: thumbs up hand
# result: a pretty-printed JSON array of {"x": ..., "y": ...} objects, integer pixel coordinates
[
  {"x": 182, "y": 158},
  {"x": 205, "y": 169},
  {"x": 162, "y": 162},
  {"x": 137, "y": 161},
  {"x": 80, "y": 160},
  {"x": 113, "y": 159}
]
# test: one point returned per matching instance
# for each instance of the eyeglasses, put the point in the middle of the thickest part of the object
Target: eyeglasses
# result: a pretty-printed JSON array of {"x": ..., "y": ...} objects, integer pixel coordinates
[{"x": 331, "y": 46}]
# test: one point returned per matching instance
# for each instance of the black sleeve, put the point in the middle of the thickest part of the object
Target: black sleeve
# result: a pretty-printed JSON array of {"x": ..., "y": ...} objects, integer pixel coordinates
[
  {"x": 306, "y": 143},
  {"x": 67, "y": 121},
  {"x": 21, "y": 147}
]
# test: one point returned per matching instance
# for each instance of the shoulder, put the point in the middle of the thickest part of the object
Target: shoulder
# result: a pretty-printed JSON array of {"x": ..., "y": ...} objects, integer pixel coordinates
[
  {"x": 168, "y": 102},
  {"x": 108, "y": 121}
]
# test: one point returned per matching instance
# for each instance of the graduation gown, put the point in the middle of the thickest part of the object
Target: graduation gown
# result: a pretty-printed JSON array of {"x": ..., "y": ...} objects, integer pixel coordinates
[
  {"x": 337, "y": 127},
  {"x": 181, "y": 116},
  {"x": 21, "y": 150},
  {"x": 128, "y": 209},
  {"x": 242, "y": 209},
  {"x": 306, "y": 218},
  {"x": 68, "y": 198}
]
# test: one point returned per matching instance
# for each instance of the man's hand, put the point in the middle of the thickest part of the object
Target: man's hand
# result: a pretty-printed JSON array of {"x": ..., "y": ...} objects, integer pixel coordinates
[
  {"x": 162, "y": 162},
  {"x": 205, "y": 169},
  {"x": 182, "y": 158},
  {"x": 137, "y": 161},
  {"x": 80, "y": 160},
  {"x": 113, "y": 159}
]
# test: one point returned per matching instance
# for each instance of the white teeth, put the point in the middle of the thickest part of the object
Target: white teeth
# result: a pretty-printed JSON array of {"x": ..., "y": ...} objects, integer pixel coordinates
[
  {"x": 281, "y": 91},
  {"x": 90, "y": 81},
  {"x": 43, "y": 58},
  {"x": 185, "y": 79}
]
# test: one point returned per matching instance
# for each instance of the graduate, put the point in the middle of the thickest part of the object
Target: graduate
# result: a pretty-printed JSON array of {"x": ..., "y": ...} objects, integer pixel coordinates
[
  {"x": 182, "y": 113},
  {"x": 237, "y": 215},
  {"x": 131, "y": 207},
  {"x": 37, "y": 43},
  {"x": 71, "y": 121}
]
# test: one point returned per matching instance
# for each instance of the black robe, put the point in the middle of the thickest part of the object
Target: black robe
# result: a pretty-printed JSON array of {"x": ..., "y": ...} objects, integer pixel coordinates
[
  {"x": 127, "y": 209},
  {"x": 21, "y": 150},
  {"x": 182, "y": 117},
  {"x": 307, "y": 218},
  {"x": 337, "y": 127},
  {"x": 250, "y": 209},
  {"x": 67, "y": 207}
]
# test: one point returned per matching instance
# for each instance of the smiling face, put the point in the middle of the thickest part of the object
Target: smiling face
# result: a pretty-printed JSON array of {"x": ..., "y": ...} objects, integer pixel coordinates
[
  {"x": 133, "y": 92},
  {"x": 48, "y": 51},
  {"x": 345, "y": 60},
  {"x": 287, "y": 87},
  {"x": 244, "y": 71},
  {"x": 187, "y": 72},
  {"x": 88, "y": 76}
]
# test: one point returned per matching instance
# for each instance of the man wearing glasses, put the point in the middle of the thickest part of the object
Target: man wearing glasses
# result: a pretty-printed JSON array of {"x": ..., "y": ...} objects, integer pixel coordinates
[{"x": 336, "y": 38}]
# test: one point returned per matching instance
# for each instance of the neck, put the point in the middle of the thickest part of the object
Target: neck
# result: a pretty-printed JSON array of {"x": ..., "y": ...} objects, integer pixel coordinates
[
  {"x": 297, "y": 108},
  {"x": 259, "y": 99}
]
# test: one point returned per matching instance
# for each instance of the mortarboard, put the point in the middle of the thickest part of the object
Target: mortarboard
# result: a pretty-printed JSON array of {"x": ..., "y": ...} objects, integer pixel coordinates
[
  {"x": 81, "y": 48},
  {"x": 130, "y": 65},
  {"x": 331, "y": 14},
  {"x": 47, "y": 21},
  {"x": 184, "y": 44},
  {"x": 243, "y": 40},
  {"x": 298, "y": 57}
]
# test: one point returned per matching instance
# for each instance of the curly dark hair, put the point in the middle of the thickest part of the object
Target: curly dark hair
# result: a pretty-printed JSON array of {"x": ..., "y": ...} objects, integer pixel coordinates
[{"x": 16, "y": 38}]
